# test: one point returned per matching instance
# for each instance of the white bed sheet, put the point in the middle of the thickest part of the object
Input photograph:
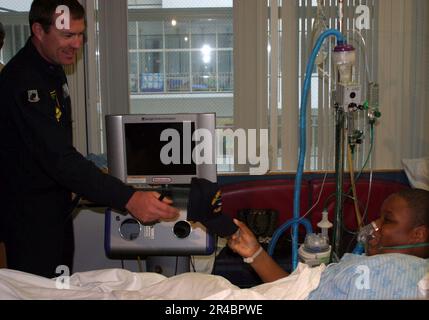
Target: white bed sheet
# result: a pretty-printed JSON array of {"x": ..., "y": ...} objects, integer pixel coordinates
[{"x": 117, "y": 284}]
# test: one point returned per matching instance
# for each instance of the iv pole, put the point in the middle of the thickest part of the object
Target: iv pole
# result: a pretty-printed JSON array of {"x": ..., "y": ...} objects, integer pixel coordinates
[
  {"x": 339, "y": 162},
  {"x": 339, "y": 172}
]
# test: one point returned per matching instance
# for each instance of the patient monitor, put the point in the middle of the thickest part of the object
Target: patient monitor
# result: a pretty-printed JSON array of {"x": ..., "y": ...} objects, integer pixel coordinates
[{"x": 158, "y": 153}]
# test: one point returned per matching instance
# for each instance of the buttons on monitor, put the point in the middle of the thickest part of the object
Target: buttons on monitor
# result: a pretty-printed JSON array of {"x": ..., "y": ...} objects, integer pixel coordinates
[{"x": 162, "y": 180}]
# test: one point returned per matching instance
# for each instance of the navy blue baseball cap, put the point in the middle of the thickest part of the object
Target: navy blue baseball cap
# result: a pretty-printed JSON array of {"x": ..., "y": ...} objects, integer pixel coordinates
[{"x": 205, "y": 206}]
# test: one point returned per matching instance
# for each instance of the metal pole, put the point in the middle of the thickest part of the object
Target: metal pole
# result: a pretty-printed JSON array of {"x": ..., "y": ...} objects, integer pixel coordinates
[
  {"x": 341, "y": 15},
  {"x": 339, "y": 172}
]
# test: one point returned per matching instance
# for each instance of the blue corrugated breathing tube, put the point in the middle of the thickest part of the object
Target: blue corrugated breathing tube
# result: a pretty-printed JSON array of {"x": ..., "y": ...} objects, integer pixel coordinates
[{"x": 296, "y": 221}]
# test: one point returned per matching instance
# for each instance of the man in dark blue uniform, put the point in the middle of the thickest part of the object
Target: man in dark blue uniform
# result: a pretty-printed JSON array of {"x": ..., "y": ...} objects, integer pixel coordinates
[{"x": 39, "y": 167}]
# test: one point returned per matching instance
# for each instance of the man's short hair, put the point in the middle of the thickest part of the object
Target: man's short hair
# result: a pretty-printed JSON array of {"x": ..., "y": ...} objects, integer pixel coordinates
[
  {"x": 42, "y": 11},
  {"x": 418, "y": 202}
]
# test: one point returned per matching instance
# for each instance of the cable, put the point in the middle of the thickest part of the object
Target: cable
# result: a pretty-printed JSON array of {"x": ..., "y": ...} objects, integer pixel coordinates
[
  {"x": 371, "y": 176},
  {"x": 371, "y": 147},
  {"x": 193, "y": 264},
  {"x": 353, "y": 186},
  {"x": 292, "y": 222},
  {"x": 176, "y": 268},
  {"x": 371, "y": 173},
  {"x": 369, "y": 194},
  {"x": 361, "y": 171},
  {"x": 318, "y": 199},
  {"x": 139, "y": 263},
  {"x": 320, "y": 24},
  {"x": 364, "y": 217},
  {"x": 344, "y": 227},
  {"x": 364, "y": 165},
  {"x": 334, "y": 257},
  {"x": 363, "y": 45},
  {"x": 317, "y": 202}
]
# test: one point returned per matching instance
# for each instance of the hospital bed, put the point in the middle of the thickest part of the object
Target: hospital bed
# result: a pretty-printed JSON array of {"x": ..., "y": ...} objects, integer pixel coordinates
[{"x": 390, "y": 276}]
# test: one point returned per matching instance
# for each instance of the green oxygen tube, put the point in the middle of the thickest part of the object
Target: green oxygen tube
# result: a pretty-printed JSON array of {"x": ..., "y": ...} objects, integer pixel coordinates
[{"x": 407, "y": 246}]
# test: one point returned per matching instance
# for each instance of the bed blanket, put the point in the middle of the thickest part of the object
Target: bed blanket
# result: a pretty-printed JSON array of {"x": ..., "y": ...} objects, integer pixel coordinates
[{"x": 117, "y": 284}]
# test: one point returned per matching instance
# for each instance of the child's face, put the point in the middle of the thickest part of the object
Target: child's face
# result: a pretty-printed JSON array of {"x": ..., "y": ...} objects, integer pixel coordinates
[{"x": 395, "y": 226}]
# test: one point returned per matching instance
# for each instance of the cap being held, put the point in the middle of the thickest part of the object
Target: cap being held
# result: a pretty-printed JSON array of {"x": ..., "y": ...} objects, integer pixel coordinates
[{"x": 205, "y": 206}]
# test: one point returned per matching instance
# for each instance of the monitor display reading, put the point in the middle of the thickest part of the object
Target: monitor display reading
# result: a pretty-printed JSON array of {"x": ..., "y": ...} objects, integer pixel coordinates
[{"x": 143, "y": 147}]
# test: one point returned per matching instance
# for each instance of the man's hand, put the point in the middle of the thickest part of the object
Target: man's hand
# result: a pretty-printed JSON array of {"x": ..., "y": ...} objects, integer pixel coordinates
[
  {"x": 243, "y": 241},
  {"x": 146, "y": 207}
]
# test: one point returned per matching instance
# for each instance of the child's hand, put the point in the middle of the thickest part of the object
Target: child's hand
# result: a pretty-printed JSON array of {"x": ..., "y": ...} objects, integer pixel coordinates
[{"x": 243, "y": 241}]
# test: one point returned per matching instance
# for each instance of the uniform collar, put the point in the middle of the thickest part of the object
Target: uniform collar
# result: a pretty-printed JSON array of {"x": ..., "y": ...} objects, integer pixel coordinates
[{"x": 36, "y": 58}]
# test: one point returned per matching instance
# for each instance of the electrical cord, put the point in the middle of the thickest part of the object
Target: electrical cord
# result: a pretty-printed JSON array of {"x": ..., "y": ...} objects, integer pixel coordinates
[
  {"x": 369, "y": 194},
  {"x": 344, "y": 227},
  {"x": 315, "y": 205},
  {"x": 320, "y": 24},
  {"x": 371, "y": 147},
  {"x": 139, "y": 263},
  {"x": 353, "y": 186},
  {"x": 318, "y": 199},
  {"x": 363, "y": 44},
  {"x": 193, "y": 264},
  {"x": 360, "y": 173}
]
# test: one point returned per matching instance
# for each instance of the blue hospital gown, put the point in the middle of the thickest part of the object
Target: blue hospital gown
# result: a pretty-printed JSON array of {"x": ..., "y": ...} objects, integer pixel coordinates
[{"x": 379, "y": 277}]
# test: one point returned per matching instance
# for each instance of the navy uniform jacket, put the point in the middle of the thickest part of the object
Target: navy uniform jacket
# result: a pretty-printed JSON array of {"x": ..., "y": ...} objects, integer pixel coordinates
[{"x": 39, "y": 167}]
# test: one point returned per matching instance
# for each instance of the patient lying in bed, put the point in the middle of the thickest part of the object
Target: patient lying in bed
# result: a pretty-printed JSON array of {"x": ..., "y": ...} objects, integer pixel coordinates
[
  {"x": 402, "y": 229},
  {"x": 396, "y": 263}
]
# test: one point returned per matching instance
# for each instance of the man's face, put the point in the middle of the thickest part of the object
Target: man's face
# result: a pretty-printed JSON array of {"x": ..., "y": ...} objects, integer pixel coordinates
[
  {"x": 60, "y": 46},
  {"x": 395, "y": 227}
]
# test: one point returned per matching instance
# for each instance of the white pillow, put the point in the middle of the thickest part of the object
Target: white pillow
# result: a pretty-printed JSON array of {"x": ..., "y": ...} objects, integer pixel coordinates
[{"x": 417, "y": 171}]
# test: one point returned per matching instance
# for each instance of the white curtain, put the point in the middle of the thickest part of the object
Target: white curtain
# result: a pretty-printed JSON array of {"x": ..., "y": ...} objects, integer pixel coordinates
[
  {"x": 250, "y": 67},
  {"x": 403, "y": 66}
]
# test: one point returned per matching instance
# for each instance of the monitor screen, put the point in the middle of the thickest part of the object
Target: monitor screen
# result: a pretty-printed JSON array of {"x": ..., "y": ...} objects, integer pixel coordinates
[
  {"x": 159, "y": 149},
  {"x": 144, "y": 148}
]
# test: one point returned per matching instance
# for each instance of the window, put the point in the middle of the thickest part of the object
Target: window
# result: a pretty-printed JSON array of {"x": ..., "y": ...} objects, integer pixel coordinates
[
  {"x": 14, "y": 18},
  {"x": 188, "y": 55},
  {"x": 181, "y": 60}
]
